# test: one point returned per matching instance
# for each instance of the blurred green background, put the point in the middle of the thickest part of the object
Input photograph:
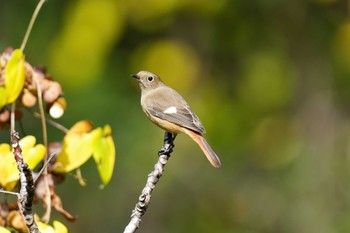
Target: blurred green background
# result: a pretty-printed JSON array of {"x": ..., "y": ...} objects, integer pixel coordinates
[{"x": 270, "y": 81}]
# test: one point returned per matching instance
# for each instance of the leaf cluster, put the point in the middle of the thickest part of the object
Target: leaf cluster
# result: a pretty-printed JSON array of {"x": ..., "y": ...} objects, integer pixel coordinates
[{"x": 27, "y": 88}]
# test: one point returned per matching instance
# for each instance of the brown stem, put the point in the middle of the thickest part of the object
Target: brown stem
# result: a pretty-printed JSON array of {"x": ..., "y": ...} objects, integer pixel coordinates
[{"x": 153, "y": 178}]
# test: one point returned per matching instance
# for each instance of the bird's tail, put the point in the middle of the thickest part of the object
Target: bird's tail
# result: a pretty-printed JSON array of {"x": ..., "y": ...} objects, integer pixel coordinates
[{"x": 207, "y": 150}]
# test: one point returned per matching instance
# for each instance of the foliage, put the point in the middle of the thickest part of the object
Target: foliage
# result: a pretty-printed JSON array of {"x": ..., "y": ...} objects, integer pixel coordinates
[
  {"x": 25, "y": 87},
  {"x": 268, "y": 79},
  {"x": 80, "y": 143},
  {"x": 33, "y": 155}
]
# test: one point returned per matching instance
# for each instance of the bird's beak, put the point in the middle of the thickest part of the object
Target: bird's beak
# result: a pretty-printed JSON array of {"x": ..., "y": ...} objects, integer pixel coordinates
[{"x": 135, "y": 76}]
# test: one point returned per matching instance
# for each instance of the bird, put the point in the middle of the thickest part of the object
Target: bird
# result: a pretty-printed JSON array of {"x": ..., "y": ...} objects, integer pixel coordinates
[{"x": 167, "y": 109}]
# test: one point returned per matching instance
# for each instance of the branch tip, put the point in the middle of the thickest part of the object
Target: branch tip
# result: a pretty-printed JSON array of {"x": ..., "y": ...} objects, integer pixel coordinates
[{"x": 152, "y": 180}]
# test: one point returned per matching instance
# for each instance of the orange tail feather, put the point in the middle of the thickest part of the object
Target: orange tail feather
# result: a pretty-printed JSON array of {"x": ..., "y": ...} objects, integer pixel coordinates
[{"x": 205, "y": 147}]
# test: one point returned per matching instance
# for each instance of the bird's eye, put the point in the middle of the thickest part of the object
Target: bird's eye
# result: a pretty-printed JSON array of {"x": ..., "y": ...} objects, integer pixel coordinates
[{"x": 150, "y": 78}]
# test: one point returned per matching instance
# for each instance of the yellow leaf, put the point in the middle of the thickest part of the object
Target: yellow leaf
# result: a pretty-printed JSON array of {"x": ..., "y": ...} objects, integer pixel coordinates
[
  {"x": 3, "y": 97},
  {"x": 59, "y": 227},
  {"x": 35, "y": 155},
  {"x": 8, "y": 168},
  {"x": 14, "y": 75},
  {"x": 27, "y": 142},
  {"x": 32, "y": 155},
  {"x": 4, "y": 230},
  {"x": 44, "y": 228},
  {"x": 81, "y": 127},
  {"x": 76, "y": 148},
  {"x": 5, "y": 148},
  {"x": 104, "y": 153}
]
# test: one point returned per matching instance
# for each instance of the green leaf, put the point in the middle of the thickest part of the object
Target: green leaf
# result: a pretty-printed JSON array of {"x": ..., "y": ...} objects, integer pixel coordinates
[
  {"x": 104, "y": 153},
  {"x": 14, "y": 75}
]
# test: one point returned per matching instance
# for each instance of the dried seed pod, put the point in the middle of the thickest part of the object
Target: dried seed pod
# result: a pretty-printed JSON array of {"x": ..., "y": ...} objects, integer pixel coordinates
[
  {"x": 5, "y": 115},
  {"x": 16, "y": 220},
  {"x": 53, "y": 92},
  {"x": 58, "y": 107},
  {"x": 43, "y": 83},
  {"x": 28, "y": 99}
]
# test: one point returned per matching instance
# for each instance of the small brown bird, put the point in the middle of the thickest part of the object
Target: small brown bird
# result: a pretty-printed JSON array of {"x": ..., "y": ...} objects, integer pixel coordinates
[{"x": 167, "y": 109}]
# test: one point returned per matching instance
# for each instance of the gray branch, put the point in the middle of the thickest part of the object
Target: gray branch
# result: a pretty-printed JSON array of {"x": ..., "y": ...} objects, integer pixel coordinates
[
  {"x": 153, "y": 178},
  {"x": 26, "y": 193}
]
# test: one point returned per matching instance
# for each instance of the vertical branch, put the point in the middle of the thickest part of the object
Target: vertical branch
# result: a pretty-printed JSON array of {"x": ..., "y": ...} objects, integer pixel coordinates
[
  {"x": 26, "y": 193},
  {"x": 46, "y": 216},
  {"x": 31, "y": 23},
  {"x": 42, "y": 113},
  {"x": 153, "y": 178},
  {"x": 23, "y": 45}
]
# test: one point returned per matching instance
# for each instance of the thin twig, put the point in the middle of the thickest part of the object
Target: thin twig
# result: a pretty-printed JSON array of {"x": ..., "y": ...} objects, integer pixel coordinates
[
  {"x": 44, "y": 167},
  {"x": 31, "y": 23},
  {"x": 42, "y": 113},
  {"x": 153, "y": 178},
  {"x": 26, "y": 193},
  {"x": 46, "y": 216},
  {"x": 12, "y": 116},
  {"x": 9, "y": 192},
  {"x": 53, "y": 123}
]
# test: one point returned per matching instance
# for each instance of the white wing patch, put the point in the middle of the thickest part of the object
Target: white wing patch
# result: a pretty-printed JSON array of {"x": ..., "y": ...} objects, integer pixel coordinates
[{"x": 170, "y": 110}]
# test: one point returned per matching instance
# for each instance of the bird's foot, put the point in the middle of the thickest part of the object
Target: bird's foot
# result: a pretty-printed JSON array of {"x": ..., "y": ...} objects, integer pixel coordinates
[{"x": 168, "y": 145}]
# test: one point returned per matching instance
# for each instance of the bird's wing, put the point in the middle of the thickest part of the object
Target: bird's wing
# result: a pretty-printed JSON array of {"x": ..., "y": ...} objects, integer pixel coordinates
[{"x": 168, "y": 105}]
